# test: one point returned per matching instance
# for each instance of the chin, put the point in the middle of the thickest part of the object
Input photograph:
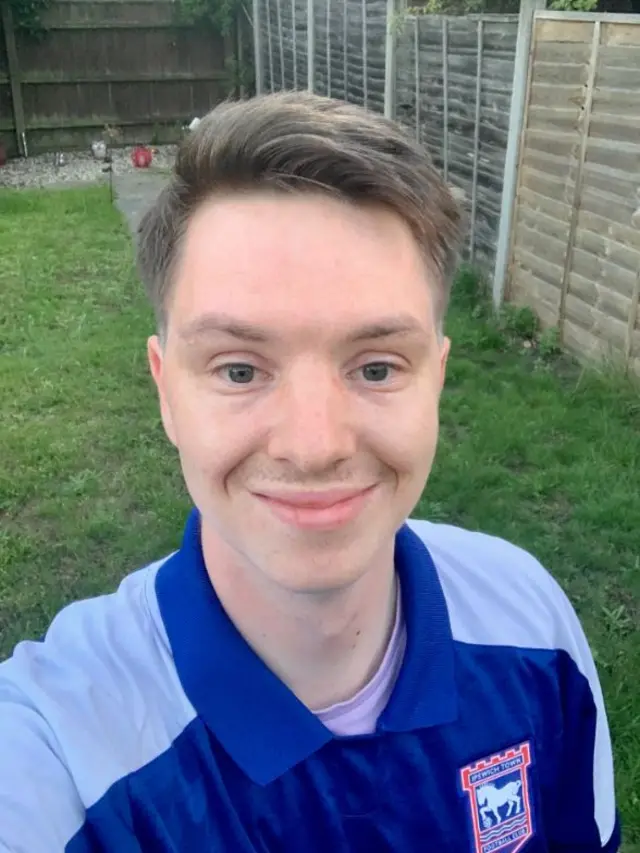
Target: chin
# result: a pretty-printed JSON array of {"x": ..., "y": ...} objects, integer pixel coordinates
[
  {"x": 315, "y": 581},
  {"x": 328, "y": 563}
]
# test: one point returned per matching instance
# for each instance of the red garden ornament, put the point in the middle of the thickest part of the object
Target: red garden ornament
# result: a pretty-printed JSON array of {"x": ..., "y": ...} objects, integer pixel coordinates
[{"x": 141, "y": 157}]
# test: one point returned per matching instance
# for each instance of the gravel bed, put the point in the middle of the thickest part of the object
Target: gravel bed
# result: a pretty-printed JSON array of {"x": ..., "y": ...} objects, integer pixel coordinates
[{"x": 79, "y": 167}]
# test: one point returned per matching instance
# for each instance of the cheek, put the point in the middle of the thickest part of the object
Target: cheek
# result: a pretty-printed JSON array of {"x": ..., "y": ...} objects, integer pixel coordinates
[
  {"x": 215, "y": 434},
  {"x": 404, "y": 437}
]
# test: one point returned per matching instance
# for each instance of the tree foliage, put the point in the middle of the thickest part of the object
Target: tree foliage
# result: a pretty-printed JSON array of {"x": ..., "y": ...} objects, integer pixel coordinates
[
  {"x": 27, "y": 15},
  {"x": 221, "y": 14},
  {"x": 573, "y": 5}
]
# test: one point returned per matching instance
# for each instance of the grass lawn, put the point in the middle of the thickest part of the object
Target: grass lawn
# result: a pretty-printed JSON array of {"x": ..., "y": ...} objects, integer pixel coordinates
[{"x": 532, "y": 449}]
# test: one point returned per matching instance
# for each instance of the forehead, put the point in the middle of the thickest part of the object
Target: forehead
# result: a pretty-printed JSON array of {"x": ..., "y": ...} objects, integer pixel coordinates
[{"x": 302, "y": 259}]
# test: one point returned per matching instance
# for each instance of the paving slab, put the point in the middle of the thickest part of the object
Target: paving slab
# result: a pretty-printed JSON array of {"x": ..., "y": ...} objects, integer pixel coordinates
[{"x": 135, "y": 192}]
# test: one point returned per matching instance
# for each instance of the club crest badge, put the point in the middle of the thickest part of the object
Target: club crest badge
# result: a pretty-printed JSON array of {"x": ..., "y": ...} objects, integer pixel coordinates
[{"x": 498, "y": 796}]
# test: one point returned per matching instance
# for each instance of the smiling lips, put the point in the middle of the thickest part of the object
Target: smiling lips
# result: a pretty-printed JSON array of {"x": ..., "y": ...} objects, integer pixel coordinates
[{"x": 320, "y": 510}]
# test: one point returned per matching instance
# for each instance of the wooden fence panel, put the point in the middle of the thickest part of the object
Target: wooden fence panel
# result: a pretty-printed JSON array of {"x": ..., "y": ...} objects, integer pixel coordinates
[
  {"x": 454, "y": 81},
  {"x": 113, "y": 62},
  {"x": 575, "y": 255}
]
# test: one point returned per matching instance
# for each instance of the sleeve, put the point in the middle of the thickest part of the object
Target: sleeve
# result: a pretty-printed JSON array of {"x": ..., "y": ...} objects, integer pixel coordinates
[
  {"x": 40, "y": 809},
  {"x": 585, "y": 818}
]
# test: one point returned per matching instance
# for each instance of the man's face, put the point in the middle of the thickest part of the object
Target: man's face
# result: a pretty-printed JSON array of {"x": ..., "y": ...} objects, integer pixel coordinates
[{"x": 300, "y": 381}]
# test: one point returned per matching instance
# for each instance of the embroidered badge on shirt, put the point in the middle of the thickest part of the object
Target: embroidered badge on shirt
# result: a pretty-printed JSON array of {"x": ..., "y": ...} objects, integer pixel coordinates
[{"x": 497, "y": 790}]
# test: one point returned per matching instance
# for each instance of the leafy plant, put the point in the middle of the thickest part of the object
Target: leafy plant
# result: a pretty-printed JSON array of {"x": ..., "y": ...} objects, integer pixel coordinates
[
  {"x": 549, "y": 343},
  {"x": 521, "y": 322},
  {"x": 240, "y": 72},
  {"x": 220, "y": 14},
  {"x": 449, "y": 7},
  {"x": 112, "y": 135},
  {"x": 27, "y": 16},
  {"x": 573, "y": 5},
  {"x": 512, "y": 327},
  {"x": 471, "y": 290}
]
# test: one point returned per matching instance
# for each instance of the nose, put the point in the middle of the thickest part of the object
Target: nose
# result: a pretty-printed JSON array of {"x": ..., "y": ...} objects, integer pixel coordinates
[{"x": 312, "y": 428}]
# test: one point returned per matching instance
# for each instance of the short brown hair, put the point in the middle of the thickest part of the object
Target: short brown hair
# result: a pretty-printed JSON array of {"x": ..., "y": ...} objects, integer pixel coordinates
[{"x": 300, "y": 142}]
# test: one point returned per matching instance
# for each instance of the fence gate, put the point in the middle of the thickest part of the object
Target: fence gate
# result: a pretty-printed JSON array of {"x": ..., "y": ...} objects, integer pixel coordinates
[{"x": 575, "y": 244}]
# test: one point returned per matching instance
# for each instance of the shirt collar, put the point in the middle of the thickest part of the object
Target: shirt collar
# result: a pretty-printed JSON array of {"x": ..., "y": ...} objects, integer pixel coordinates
[{"x": 260, "y": 723}]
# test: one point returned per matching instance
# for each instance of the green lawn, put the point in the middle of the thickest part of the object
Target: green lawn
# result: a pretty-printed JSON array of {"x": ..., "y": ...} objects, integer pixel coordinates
[{"x": 532, "y": 448}]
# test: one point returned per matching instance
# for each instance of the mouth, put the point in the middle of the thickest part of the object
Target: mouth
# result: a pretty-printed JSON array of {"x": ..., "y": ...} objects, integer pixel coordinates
[{"x": 320, "y": 510}]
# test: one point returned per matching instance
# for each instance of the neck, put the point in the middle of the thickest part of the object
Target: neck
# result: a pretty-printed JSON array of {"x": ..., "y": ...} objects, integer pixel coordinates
[{"x": 324, "y": 646}]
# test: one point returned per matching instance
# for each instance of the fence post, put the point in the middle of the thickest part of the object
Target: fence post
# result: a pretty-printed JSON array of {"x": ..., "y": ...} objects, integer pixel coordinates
[
  {"x": 345, "y": 56},
  {"x": 587, "y": 107},
  {"x": 14, "y": 78},
  {"x": 270, "y": 45},
  {"x": 516, "y": 116},
  {"x": 476, "y": 140},
  {"x": 294, "y": 20},
  {"x": 365, "y": 56},
  {"x": 631, "y": 322},
  {"x": 283, "y": 84},
  {"x": 239, "y": 55},
  {"x": 445, "y": 98},
  {"x": 257, "y": 47},
  {"x": 390, "y": 61},
  {"x": 416, "y": 48},
  {"x": 328, "y": 2},
  {"x": 311, "y": 46}
]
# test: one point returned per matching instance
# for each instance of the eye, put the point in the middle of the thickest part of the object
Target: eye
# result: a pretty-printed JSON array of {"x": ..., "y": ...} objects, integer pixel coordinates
[
  {"x": 377, "y": 371},
  {"x": 238, "y": 374}
]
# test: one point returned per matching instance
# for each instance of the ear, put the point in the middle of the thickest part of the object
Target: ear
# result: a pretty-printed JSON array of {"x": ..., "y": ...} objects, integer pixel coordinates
[
  {"x": 445, "y": 349},
  {"x": 155, "y": 355}
]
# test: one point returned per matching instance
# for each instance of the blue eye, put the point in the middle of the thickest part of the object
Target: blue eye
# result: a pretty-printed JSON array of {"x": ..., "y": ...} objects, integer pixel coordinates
[
  {"x": 377, "y": 371},
  {"x": 239, "y": 374}
]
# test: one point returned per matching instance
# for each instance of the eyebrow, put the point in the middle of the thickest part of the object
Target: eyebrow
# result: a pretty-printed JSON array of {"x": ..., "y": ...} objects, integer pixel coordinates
[{"x": 223, "y": 324}]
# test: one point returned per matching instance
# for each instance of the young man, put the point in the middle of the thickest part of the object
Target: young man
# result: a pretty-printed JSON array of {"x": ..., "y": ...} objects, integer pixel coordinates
[{"x": 310, "y": 672}]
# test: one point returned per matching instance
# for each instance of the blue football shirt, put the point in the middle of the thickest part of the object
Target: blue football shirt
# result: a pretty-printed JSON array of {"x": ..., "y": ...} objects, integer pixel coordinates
[{"x": 144, "y": 722}]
